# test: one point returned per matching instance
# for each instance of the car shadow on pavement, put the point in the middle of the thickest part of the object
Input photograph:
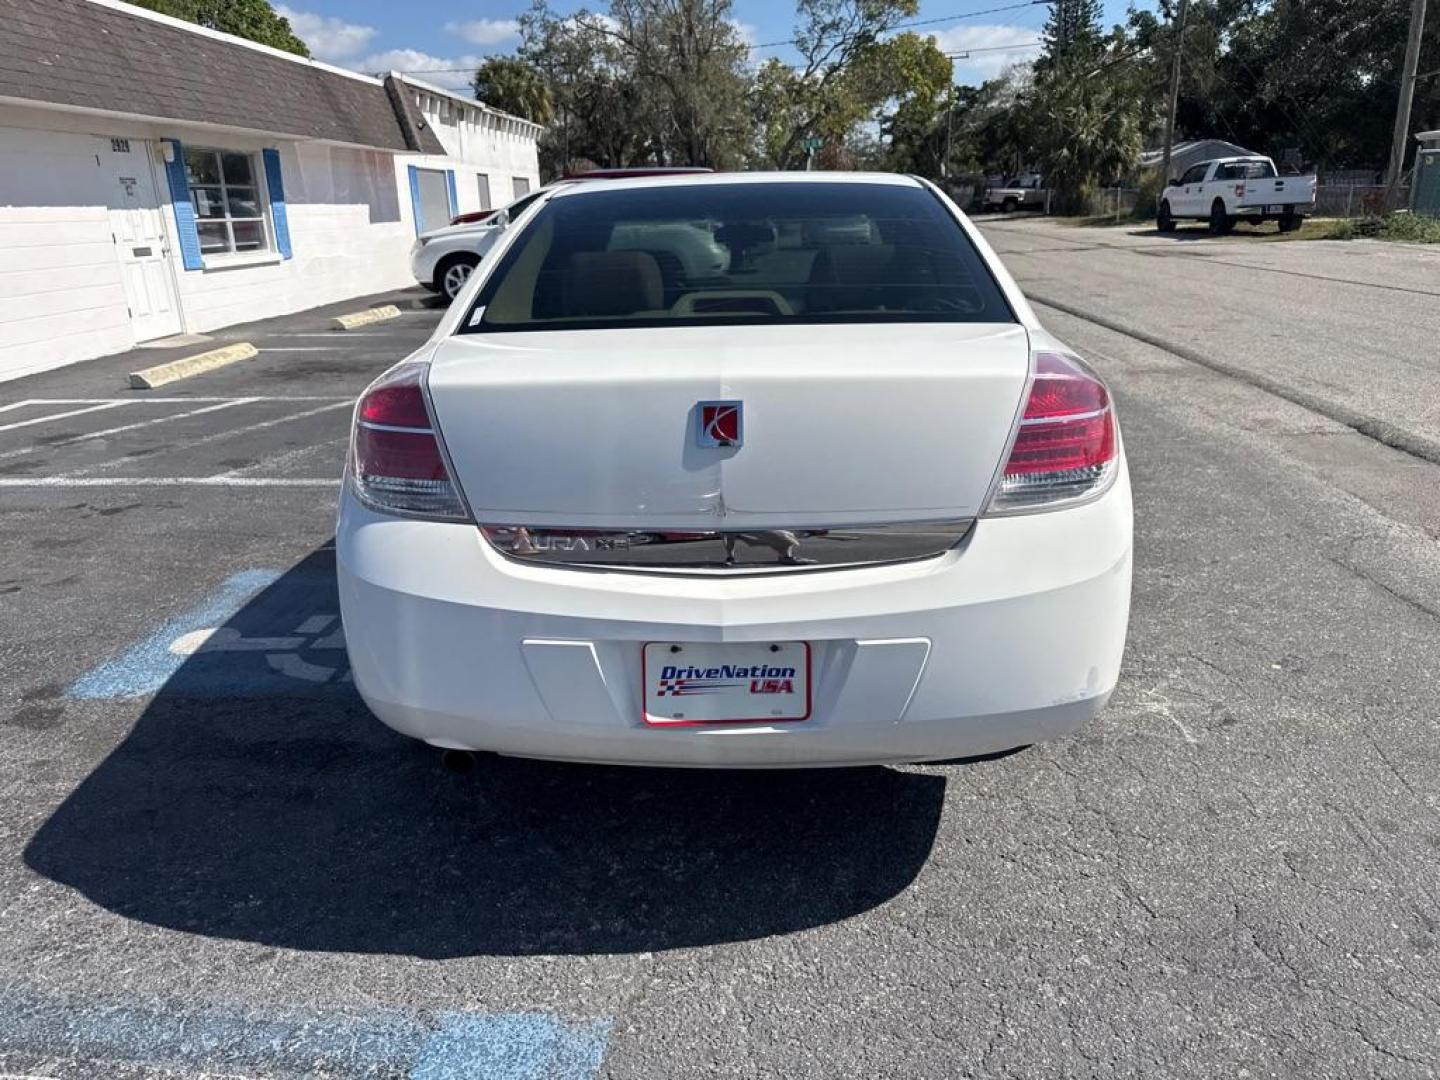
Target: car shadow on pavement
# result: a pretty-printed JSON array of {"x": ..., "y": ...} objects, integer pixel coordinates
[{"x": 257, "y": 799}]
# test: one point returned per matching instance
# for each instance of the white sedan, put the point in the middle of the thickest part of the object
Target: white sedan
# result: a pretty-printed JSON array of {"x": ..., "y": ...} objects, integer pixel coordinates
[{"x": 838, "y": 498}]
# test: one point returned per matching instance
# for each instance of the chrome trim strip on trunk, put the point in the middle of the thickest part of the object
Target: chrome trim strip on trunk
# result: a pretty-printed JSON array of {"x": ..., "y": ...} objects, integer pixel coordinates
[{"x": 726, "y": 551}]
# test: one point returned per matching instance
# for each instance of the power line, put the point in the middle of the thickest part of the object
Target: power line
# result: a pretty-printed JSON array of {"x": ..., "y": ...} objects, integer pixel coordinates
[
  {"x": 965, "y": 53},
  {"x": 792, "y": 41},
  {"x": 923, "y": 22}
]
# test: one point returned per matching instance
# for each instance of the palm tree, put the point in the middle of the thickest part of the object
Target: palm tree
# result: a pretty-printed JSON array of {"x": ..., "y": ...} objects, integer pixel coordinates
[{"x": 513, "y": 86}]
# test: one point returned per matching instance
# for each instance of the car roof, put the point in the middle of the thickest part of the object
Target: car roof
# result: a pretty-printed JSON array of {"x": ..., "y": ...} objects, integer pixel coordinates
[{"x": 574, "y": 191}]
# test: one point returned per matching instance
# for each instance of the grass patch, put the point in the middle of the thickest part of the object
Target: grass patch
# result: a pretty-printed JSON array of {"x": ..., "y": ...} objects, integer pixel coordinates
[
  {"x": 1398, "y": 228},
  {"x": 1411, "y": 229}
]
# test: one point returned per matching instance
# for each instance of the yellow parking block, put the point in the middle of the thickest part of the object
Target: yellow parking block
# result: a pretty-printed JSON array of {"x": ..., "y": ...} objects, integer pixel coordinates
[
  {"x": 160, "y": 374},
  {"x": 366, "y": 317}
]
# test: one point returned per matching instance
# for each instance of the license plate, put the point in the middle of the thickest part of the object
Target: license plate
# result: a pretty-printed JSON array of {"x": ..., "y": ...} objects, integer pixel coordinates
[
  {"x": 1274, "y": 209},
  {"x": 754, "y": 682}
]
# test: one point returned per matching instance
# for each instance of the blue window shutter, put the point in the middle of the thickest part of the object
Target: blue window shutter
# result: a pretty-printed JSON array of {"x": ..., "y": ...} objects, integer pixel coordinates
[
  {"x": 454, "y": 198},
  {"x": 278, "y": 216},
  {"x": 184, "y": 211},
  {"x": 415, "y": 200}
]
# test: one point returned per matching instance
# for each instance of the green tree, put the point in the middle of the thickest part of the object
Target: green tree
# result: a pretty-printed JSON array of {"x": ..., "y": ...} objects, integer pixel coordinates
[
  {"x": 511, "y": 85},
  {"x": 1087, "y": 105},
  {"x": 1316, "y": 79},
  {"x": 1087, "y": 123},
  {"x": 252, "y": 19},
  {"x": 1073, "y": 28},
  {"x": 690, "y": 59},
  {"x": 649, "y": 81},
  {"x": 849, "y": 67},
  {"x": 601, "y": 115}
]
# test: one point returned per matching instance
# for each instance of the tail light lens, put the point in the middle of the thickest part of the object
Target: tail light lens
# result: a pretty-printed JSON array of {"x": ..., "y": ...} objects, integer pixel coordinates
[
  {"x": 396, "y": 464},
  {"x": 1066, "y": 448}
]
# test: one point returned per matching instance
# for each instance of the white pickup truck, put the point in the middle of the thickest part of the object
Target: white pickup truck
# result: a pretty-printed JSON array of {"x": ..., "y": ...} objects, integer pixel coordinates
[{"x": 1226, "y": 190}]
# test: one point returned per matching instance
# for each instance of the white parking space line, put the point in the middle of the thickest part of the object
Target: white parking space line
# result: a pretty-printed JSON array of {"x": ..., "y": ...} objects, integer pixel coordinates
[
  {"x": 230, "y": 433},
  {"x": 21, "y": 451},
  {"x": 280, "y": 461},
  {"x": 189, "y": 399},
  {"x": 167, "y": 481},
  {"x": 65, "y": 415}
]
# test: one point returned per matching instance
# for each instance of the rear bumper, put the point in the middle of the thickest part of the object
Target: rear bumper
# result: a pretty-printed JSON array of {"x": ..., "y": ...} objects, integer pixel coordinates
[
  {"x": 1259, "y": 209},
  {"x": 1014, "y": 638}
]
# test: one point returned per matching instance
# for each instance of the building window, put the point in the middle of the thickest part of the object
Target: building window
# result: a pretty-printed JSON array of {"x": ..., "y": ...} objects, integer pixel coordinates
[
  {"x": 229, "y": 215},
  {"x": 482, "y": 185},
  {"x": 522, "y": 186}
]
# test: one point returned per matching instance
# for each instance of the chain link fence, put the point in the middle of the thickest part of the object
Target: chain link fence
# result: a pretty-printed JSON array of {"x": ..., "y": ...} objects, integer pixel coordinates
[
  {"x": 1331, "y": 201},
  {"x": 1354, "y": 200}
]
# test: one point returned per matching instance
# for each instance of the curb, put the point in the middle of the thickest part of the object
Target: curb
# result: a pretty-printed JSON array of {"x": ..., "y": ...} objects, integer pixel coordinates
[
  {"x": 151, "y": 377},
  {"x": 366, "y": 317},
  {"x": 1382, "y": 431}
]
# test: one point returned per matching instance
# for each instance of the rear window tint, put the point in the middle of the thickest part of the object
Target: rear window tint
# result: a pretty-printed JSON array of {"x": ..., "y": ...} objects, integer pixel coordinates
[{"x": 739, "y": 253}]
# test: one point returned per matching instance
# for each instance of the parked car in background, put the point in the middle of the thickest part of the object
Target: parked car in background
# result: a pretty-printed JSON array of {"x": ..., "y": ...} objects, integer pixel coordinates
[
  {"x": 638, "y": 170},
  {"x": 1223, "y": 191},
  {"x": 1024, "y": 192},
  {"x": 474, "y": 217},
  {"x": 819, "y": 489},
  {"x": 443, "y": 259}
]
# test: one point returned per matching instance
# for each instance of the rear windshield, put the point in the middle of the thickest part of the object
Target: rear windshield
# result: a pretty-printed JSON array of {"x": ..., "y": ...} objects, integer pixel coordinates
[
  {"x": 739, "y": 253},
  {"x": 1247, "y": 170}
]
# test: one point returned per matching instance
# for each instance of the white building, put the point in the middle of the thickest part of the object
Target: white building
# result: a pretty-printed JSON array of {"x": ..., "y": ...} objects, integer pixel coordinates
[{"x": 158, "y": 178}]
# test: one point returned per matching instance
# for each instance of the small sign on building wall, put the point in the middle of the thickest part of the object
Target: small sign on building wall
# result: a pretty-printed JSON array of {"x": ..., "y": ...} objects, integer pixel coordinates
[{"x": 119, "y": 146}]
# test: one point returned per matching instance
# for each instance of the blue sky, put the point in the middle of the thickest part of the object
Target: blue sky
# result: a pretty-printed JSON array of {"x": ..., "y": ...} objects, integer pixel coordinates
[{"x": 421, "y": 36}]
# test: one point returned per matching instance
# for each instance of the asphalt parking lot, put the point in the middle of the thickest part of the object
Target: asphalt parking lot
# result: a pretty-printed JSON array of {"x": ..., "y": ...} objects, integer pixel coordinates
[{"x": 213, "y": 861}]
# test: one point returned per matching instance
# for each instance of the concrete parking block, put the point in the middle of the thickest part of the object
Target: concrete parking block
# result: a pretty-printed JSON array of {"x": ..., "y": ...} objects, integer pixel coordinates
[
  {"x": 151, "y": 377},
  {"x": 364, "y": 318}
]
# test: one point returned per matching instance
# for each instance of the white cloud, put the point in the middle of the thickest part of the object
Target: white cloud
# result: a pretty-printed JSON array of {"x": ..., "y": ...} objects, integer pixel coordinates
[
  {"x": 450, "y": 72},
  {"x": 986, "y": 65},
  {"x": 329, "y": 38},
  {"x": 484, "y": 31},
  {"x": 746, "y": 32}
]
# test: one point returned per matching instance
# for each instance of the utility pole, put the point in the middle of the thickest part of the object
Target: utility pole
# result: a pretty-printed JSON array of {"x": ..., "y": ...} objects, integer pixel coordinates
[
  {"x": 1175, "y": 89},
  {"x": 1402, "y": 109},
  {"x": 949, "y": 133}
]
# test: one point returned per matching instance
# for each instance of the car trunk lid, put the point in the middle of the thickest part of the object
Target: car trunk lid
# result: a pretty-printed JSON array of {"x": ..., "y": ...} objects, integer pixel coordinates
[{"x": 848, "y": 424}]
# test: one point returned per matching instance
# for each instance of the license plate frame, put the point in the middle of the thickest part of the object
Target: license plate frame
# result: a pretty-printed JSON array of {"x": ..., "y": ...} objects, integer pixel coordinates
[
  {"x": 774, "y": 689},
  {"x": 1274, "y": 208}
]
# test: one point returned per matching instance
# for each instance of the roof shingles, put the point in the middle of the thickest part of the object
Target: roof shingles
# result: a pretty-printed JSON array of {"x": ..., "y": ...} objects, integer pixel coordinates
[{"x": 73, "y": 52}]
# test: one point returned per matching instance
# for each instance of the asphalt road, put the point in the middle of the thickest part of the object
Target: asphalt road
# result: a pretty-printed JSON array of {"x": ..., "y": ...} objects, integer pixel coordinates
[{"x": 218, "y": 864}]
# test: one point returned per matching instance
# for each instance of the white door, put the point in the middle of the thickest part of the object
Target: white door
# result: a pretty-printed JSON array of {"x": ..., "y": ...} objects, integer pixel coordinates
[{"x": 140, "y": 243}]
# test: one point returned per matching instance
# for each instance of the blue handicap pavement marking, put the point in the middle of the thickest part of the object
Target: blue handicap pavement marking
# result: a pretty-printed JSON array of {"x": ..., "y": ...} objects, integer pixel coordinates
[
  {"x": 260, "y": 633},
  {"x": 306, "y": 1042},
  {"x": 510, "y": 1046}
]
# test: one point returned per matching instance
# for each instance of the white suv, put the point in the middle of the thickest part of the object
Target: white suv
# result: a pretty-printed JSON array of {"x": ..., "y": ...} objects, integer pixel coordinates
[{"x": 443, "y": 259}]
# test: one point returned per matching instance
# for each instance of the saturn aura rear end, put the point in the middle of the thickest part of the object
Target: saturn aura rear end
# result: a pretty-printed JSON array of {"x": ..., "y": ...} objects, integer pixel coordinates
[{"x": 738, "y": 470}]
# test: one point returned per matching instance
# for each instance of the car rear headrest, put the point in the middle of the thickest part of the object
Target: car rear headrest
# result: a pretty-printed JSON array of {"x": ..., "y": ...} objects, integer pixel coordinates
[
  {"x": 612, "y": 283},
  {"x": 851, "y": 276}
]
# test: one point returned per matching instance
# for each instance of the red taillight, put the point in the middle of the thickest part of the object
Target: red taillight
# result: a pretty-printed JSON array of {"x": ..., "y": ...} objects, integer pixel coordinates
[
  {"x": 1066, "y": 445},
  {"x": 396, "y": 463}
]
